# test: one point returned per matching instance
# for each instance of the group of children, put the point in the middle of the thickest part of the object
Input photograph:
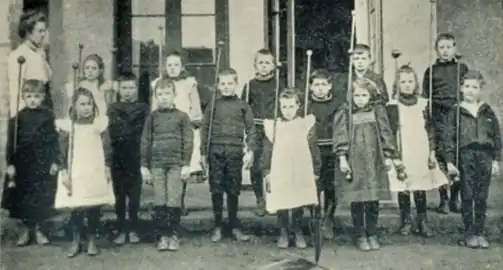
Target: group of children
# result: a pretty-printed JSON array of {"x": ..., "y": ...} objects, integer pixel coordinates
[{"x": 354, "y": 145}]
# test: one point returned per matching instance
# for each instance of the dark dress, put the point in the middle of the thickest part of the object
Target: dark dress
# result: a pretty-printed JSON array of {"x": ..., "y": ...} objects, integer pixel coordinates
[
  {"x": 372, "y": 141},
  {"x": 32, "y": 198}
]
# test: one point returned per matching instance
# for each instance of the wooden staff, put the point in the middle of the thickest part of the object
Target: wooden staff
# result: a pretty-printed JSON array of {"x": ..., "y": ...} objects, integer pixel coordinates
[
  {"x": 81, "y": 50},
  {"x": 20, "y": 61},
  {"x": 430, "y": 56},
  {"x": 349, "y": 94},
  {"x": 161, "y": 51},
  {"x": 396, "y": 54},
  {"x": 458, "y": 102},
  {"x": 71, "y": 140},
  {"x": 309, "y": 54},
  {"x": 110, "y": 95}
]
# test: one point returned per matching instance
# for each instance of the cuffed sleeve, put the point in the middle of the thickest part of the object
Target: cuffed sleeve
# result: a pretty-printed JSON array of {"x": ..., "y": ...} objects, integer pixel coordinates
[
  {"x": 341, "y": 140},
  {"x": 250, "y": 129}
]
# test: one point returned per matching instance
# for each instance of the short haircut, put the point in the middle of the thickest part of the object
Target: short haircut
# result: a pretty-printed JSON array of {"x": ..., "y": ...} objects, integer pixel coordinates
[
  {"x": 445, "y": 36},
  {"x": 228, "y": 72},
  {"x": 474, "y": 75},
  {"x": 289, "y": 93},
  {"x": 265, "y": 51},
  {"x": 361, "y": 48},
  {"x": 127, "y": 76},
  {"x": 28, "y": 20},
  {"x": 164, "y": 83},
  {"x": 33, "y": 86},
  {"x": 175, "y": 54},
  {"x": 322, "y": 74}
]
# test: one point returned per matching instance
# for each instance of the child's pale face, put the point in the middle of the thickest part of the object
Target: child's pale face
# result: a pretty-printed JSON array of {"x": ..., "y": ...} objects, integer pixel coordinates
[
  {"x": 165, "y": 97},
  {"x": 227, "y": 85},
  {"x": 289, "y": 108},
  {"x": 84, "y": 107},
  {"x": 174, "y": 66},
  {"x": 264, "y": 64},
  {"x": 446, "y": 49},
  {"x": 361, "y": 60},
  {"x": 128, "y": 90},
  {"x": 471, "y": 90},
  {"x": 33, "y": 100},
  {"x": 361, "y": 97},
  {"x": 320, "y": 87},
  {"x": 91, "y": 70},
  {"x": 407, "y": 83}
]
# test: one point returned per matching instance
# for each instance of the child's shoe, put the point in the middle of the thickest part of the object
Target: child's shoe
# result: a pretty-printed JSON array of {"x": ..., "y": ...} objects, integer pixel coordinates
[
  {"x": 163, "y": 243},
  {"x": 239, "y": 235},
  {"x": 422, "y": 226},
  {"x": 443, "y": 207},
  {"x": 216, "y": 236},
  {"x": 133, "y": 238},
  {"x": 454, "y": 206},
  {"x": 75, "y": 247},
  {"x": 92, "y": 249},
  {"x": 406, "y": 227},
  {"x": 483, "y": 243},
  {"x": 260, "y": 211},
  {"x": 300, "y": 242},
  {"x": 283, "y": 239},
  {"x": 24, "y": 238},
  {"x": 41, "y": 238},
  {"x": 363, "y": 244},
  {"x": 328, "y": 229},
  {"x": 470, "y": 241},
  {"x": 374, "y": 243},
  {"x": 173, "y": 243},
  {"x": 120, "y": 239}
]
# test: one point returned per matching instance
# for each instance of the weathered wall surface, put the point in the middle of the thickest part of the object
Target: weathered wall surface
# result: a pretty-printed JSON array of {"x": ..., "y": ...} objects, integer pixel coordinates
[{"x": 478, "y": 26}]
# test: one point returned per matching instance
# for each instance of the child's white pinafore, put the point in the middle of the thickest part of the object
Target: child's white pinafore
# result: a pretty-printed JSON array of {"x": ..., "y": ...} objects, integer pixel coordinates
[
  {"x": 415, "y": 152},
  {"x": 291, "y": 179},
  {"x": 88, "y": 177}
]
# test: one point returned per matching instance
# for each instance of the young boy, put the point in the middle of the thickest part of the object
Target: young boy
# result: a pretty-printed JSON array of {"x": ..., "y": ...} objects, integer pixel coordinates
[
  {"x": 32, "y": 154},
  {"x": 323, "y": 104},
  {"x": 127, "y": 117},
  {"x": 443, "y": 97},
  {"x": 229, "y": 118},
  {"x": 361, "y": 58},
  {"x": 480, "y": 144},
  {"x": 260, "y": 94},
  {"x": 166, "y": 149}
]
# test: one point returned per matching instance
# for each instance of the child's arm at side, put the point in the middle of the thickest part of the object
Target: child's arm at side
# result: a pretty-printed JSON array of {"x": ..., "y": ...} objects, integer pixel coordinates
[
  {"x": 251, "y": 133},
  {"x": 107, "y": 147},
  {"x": 265, "y": 158},
  {"x": 496, "y": 137},
  {"x": 315, "y": 151},
  {"x": 388, "y": 141},
  {"x": 196, "y": 113},
  {"x": 146, "y": 141},
  {"x": 430, "y": 130},
  {"x": 341, "y": 140},
  {"x": 426, "y": 84},
  {"x": 64, "y": 146},
  {"x": 9, "y": 154},
  {"x": 383, "y": 89},
  {"x": 205, "y": 126},
  {"x": 187, "y": 140}
]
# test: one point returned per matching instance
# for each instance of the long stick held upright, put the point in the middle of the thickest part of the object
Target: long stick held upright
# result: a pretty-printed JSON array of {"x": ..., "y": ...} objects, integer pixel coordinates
[
  {"x": 396, "y": 54},
  {"x": 430, "y": 58},
  {"x": 309, "y": 54},
  {"x": 71, "y": 141},
  {"x": 458, "y": 101},
  {"x": 349, "y": 94},
  {"x": 81, "y": 50},
  {"x": 110, "y": 95}
]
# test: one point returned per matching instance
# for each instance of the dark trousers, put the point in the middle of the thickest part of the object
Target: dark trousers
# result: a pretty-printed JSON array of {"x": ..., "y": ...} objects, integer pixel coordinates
[
  {"x": 167, "y": 220},
  {"x": 296, "y": 222},
  {"x": 327, "y": 179},
  {"x": 365, "y": 216},
  {"x": 404, "y": 202},
  {"x": 225, "y": 171},
  {"x": 127, "y": 185},
  {"x": 475, "y": 167},
  {"x": 78, "y": 217},
  {"x": 256, "y": 174}
]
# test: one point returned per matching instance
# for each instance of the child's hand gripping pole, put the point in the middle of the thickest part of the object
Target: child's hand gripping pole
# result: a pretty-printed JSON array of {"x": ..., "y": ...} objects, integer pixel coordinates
[
  {"x": 204, "y": 159},
  {"x": 11, "y": 171},
  {"x": 458, "y": 101},
  {"x": 349, "y": 94}
]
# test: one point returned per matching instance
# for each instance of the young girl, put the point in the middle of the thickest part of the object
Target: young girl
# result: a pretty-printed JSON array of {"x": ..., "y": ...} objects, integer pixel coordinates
[
  {"x": 409, "y": 114},
  {"x": 186, "y": 100},
  {"x": 84, "y": 182},
  {"x": 365, "y": 146},
  {"x": 94, "y": 81},
  {"x": 291, "y": 163}
]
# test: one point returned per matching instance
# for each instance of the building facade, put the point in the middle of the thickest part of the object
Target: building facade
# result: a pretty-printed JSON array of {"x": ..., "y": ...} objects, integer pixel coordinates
[{"x": 138, "y": 28}]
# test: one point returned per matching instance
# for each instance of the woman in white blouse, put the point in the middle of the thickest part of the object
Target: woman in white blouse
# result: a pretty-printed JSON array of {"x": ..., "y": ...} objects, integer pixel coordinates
[{"x": 32, "y": 30}]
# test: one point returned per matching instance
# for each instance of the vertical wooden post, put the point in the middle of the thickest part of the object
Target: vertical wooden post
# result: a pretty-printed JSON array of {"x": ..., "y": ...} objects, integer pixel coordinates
[{"x": 291, "y": 42}]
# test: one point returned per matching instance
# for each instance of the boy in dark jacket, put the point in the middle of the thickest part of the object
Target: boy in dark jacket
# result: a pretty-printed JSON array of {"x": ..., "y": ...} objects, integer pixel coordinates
[
  {"x": 166, "y": 148},
  {"x": 260, "y": 93},
  {"x": 442, "y": 96},
  {"x": 479, "y": 142},
  {"x": 127, "y": 117},
  {"x": 323, "y": 104},
  {"x": 224, "y": 127}
]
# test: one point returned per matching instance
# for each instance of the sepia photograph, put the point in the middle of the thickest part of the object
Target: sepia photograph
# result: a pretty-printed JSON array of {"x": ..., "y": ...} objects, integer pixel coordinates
[{"x": 251, "y": 134}]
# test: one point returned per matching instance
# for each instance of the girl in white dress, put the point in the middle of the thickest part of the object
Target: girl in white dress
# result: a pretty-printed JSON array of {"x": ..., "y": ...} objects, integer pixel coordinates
[
  {"x": 84, "y": 182},
  {"x": 409, "y": 116},
  {"x": 291, "y": 164}
]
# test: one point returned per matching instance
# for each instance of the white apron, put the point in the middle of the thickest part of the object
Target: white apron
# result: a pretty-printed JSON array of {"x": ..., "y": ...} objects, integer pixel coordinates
[
  {"x": 415, "y": 152},
  {"x": 291, "y": 179},
  {"x": 183, "y": 102},
  {"x": 89, "y": 182}
]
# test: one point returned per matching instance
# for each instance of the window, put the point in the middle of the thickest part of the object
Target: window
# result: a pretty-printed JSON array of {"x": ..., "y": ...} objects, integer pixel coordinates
[{"x": 198, "y": 31}]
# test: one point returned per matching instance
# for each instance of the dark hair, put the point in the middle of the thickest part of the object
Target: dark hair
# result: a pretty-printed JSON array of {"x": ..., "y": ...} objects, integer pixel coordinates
[
  {"x": 101, "y": 66},
  {"x": 361, "y": 48},
  {"x": 322, "y": 74},
  {"x": 226, "y": 72},
  {"x": 265, "y": 51},
  {"x": 474, "y": 75},
  {"x": 33, "y": 86},
  {"x": 127, "y": 76},
  {"x": 28, "y": 20},
  {"x": 76, "y": 95},
  {"x": 164, "y": 83},
  {"x": 445, "y": 36},
  {"x": 289, "y": 93},
  {"x": 405, "y": 69}
]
